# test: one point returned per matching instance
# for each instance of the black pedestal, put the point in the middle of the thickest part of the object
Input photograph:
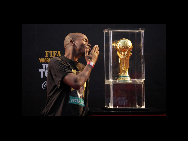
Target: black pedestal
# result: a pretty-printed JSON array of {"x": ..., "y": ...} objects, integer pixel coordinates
[
  {"x": 125, "y": 112},
  {"x": 124, "y": 109}
]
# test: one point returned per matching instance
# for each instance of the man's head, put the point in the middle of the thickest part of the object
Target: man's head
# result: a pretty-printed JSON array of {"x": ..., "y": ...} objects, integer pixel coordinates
[{"x": 77, "y": 41}]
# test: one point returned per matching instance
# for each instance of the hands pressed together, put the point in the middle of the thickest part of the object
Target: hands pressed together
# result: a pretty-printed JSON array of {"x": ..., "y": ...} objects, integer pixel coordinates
[{"x": 93, "y": 55}]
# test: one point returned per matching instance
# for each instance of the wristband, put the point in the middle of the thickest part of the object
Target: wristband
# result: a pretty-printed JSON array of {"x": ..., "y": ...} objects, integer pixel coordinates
[{"x": 90, "y": 63}]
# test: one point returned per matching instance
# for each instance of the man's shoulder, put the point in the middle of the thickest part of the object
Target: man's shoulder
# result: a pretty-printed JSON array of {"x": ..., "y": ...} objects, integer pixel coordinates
[
  {"x": 58, "y": 61},
  {"x": 54, "y": 59}
]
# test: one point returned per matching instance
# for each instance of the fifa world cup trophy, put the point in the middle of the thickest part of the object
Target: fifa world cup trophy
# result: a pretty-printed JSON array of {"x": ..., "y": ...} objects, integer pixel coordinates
[{"x": 124, "y": 48}]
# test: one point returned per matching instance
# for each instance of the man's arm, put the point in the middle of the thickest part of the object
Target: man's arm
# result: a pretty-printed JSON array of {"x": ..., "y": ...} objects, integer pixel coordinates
[{"x": 77, "y": 81}]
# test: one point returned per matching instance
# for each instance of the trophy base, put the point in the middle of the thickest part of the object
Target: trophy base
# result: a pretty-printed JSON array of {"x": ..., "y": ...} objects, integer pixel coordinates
[{"x": 124, "y": 79}]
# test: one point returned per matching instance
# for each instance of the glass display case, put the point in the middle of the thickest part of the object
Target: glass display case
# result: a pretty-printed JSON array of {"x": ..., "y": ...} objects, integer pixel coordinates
[{"x": 124, "y": 68}]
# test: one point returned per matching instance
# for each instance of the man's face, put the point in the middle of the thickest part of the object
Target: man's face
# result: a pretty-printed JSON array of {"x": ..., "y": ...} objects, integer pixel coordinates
[{"x": 82, "y": 43}]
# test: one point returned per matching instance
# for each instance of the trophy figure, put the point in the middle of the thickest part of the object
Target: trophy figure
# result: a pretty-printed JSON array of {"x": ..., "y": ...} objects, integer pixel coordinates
[{"x": 124, "y": 48}]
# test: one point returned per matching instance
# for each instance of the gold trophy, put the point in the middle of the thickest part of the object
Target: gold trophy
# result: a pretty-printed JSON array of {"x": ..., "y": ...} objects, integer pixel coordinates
[{"x": 124, "y": 48}]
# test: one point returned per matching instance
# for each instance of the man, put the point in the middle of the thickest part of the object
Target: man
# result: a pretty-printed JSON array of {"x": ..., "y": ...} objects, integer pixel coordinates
[{"x": 67, "y": 80}]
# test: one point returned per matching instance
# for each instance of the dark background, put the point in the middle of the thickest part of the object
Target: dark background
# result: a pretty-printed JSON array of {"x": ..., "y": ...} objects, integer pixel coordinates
[{"x": 38, "y": 38}]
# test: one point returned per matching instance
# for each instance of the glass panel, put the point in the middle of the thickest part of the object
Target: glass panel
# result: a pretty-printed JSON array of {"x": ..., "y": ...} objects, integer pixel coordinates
[{"x": 124, "y": 68}]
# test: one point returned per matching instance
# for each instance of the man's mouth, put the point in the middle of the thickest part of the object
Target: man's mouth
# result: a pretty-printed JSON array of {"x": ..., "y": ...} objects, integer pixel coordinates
[{"x": 89, "y": 49}]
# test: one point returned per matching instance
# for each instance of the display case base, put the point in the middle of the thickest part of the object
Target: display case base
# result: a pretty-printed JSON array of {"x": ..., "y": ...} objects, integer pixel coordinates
[
  {"x": 125, "y": 112},
  {"x": 124, "y": 109}
]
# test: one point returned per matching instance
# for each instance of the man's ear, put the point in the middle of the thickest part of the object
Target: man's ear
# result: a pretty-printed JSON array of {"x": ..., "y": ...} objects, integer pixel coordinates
[{"x": 72, "y": 42}]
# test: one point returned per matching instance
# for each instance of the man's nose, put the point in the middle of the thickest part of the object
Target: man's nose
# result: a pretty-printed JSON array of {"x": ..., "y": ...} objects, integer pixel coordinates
[{"x": 89, "y": 45}]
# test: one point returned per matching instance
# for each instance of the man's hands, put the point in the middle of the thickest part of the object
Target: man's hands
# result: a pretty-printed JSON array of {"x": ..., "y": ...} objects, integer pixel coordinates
[
  {"x": 93, "y": 55},
  {"x": 77, "y": 81}
]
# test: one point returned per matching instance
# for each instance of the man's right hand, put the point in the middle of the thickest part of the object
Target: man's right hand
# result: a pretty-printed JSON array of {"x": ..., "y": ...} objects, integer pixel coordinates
[{"x": 93, "y": 55}]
